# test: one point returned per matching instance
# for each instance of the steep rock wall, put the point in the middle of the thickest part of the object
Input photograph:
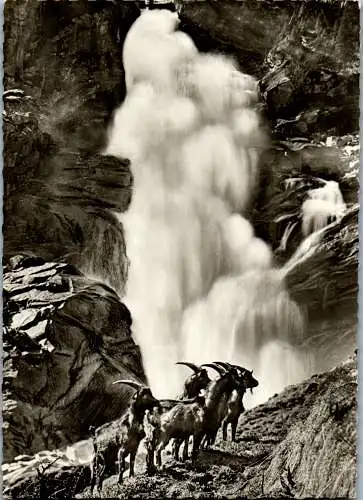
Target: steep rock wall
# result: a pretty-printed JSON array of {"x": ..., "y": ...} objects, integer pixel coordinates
[{"x": 306, "y": 55}]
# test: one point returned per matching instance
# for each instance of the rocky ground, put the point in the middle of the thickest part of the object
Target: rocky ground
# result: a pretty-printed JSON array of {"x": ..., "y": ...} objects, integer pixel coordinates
[{"x": 301, "y": 443}]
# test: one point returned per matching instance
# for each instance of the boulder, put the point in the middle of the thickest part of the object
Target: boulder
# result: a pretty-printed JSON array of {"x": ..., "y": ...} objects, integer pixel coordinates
[{"x": 66, "y": 339}]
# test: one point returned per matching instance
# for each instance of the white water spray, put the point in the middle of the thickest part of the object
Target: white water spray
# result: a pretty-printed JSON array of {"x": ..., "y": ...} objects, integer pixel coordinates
[
  {"x": 200, "y": 285},
  {"x": 322, "y": 205}
]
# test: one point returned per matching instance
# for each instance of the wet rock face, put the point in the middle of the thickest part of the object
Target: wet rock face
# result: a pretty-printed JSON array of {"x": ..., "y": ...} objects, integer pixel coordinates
[
  {"x": 61, "y": 204},
  {"x": 68, "y": 55},
  {"x": 66, "y": 60},
  {"x": 66, "y": 340},
  {"x": 305, "y": 55}
]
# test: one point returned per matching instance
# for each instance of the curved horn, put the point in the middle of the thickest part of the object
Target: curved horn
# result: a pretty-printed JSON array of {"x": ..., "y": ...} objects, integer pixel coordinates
[
  {"x": 192, "y": 366},
  {"x": 132, "y": 383},
  {"x": 223, "y": 364},
  {"x": 217, "y": 368}
]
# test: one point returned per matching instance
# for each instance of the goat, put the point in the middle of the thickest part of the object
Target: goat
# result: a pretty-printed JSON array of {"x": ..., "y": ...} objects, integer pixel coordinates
[
  {"x": 217, "y": 395},
  {"x": 235, "y": 402},
  {"x": 129, "y": 431},
  {"x": 184, "y": 419},
  {"x": 195, "y": 383}
]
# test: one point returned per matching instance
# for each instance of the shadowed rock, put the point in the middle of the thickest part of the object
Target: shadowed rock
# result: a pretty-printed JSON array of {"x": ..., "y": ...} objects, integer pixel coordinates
[{"x": 66, "y": 339}]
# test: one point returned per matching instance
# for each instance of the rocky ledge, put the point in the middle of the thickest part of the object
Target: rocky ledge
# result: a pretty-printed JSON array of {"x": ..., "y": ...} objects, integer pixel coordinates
[
  {"x": 66, "y": 339},
  {"x": 291, "y": 446}
]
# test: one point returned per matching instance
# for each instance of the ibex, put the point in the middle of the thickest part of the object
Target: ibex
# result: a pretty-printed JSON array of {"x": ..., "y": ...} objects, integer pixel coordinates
[
  {"x": 196, "y": 382},
  {"x": 193, "y": 385},
  {"x": 184, "y": 419},
  {"x": 235, "y": 406},
  {"x": 129, "y": 431},
  {"x": 217, "y": 395}
]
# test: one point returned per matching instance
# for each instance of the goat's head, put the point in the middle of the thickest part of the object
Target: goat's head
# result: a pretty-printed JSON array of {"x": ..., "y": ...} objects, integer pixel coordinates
[
  {"x": 247, "y": 378},
  {"x": 197, "y": 381},
  {"x": 224, "y": 384},
  {"x": 143, "y": 398}
]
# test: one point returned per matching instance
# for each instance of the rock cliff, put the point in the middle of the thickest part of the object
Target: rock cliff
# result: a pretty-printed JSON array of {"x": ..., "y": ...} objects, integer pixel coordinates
[
  {"x": 306, "y": 55},
  {"x": 63, "y": 78},
  {"x": 66, "y": 339}
]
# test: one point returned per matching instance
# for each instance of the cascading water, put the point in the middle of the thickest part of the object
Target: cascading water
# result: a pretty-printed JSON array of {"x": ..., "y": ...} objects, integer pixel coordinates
[
  {"x": 201, "y": 286},
  {"x": 322, "y": 205}
]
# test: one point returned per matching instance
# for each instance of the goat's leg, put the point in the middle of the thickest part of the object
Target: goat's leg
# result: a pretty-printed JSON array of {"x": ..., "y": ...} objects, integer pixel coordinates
[
  {"x": 100, "y": 483},
  {"x": 93, "y": 468},
  {"x": 158, "y": 455},
  {"x": 121, "y": 464},
  {"x": 203, "y": 444},
  {"x": 234, "y": 429},
  {"x": 213, "y": 437},
  {"x": 185, "y": 449},
  {"x": 150, "y": 467},
  {"x": 132, "y": 463},
  {"x": 197, "y": 439},
  {"x": 224, "y": 430},
  {"x": 176, "y": 447},
  {"x": 100, "y": 468},
  {"x": 159, "y": 449}
]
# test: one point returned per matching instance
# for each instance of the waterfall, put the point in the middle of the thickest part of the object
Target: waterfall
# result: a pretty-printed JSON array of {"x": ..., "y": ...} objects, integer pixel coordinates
[
  {"x": 201, "y": 286},
  {"x": 322, "y": 205}
]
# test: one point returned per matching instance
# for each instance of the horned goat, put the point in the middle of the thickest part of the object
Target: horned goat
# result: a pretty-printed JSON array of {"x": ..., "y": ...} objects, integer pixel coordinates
[
  {"x": 184, "y": 419},
  {"x": 129, "y": 431},
  {"x": 217, "y": 395},
  {"x": 196, "y": 382},
  {"x": 193, "y": 385},
  {"x": 235, "y": 406}
]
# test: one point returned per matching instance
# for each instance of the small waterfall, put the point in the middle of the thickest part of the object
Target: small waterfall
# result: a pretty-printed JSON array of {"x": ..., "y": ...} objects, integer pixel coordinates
[
  {"x": 201, "y": 286},
  {"x": 322, "y": 206}
]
